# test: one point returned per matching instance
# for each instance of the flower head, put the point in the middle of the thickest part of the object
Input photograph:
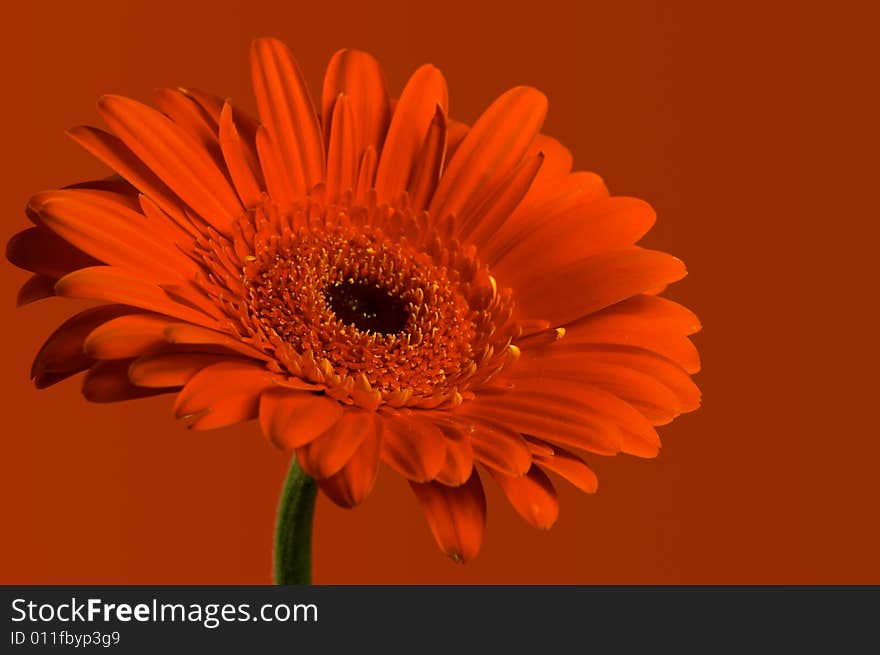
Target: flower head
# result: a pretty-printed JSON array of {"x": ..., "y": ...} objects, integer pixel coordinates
[{"x": 371, "y": 280}]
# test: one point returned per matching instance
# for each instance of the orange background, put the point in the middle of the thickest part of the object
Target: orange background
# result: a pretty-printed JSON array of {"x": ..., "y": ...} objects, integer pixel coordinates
[{"x": 741, "y": 126}]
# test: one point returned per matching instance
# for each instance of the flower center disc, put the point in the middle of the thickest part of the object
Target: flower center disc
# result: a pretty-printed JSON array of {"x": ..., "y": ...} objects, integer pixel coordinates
[
  {"x": 372, "y": 302},
  {"x": 367, "y": 307}
]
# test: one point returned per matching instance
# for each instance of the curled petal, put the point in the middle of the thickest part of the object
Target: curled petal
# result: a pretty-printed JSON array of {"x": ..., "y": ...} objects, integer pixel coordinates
[
  {"x": 532, "y": 496},
  {"x": 223, "y": 394},
  {"x": 414, "y": 447},
  {"x": 332, "y": 449},
  {"x": 291, "y": 419},
  {"x": 107, "y": 382},
  {"x": 355, "y": 480},
  {"x": 63, "y": 355},
  {"x": 457, "y": 515}
]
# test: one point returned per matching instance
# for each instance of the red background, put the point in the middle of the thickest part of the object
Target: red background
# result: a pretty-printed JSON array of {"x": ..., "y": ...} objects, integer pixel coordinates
[{"x": 742, "y": 126}]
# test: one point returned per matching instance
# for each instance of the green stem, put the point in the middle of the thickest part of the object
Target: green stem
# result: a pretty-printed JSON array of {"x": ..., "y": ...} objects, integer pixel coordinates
[{"x": 293, "y": 528}]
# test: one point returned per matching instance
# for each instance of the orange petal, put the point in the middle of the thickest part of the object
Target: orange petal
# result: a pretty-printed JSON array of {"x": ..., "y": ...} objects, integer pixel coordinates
[
  {"x": 663, "y": 314},
  {"x": 547, "y": 416},
  {"x": 412, "y": 118},
  {"x": 243, "y": 165},
  {"x": 428, "y": 163},
  {"x": 568, "y": 389},
  {"x": 112, "y": 284},
  {"x": 186, "y": 333},
  {"x": 37, "y": 287},
  {"x": 482, "y": 224},
  {"x": 287, "y": 112},
  {"x": 457, "y": 515},
  {"x": 591, "y": 284},
  {"x": 546, "y": 201},
  {"x": 113, "y": 152},
  {"x": 355, "y": 480},
  {"x": 331, "y": 450},
  {"x": 291, "y": 419},
  {"x": 278, "y": 182},
  {"x": 491, "y": 150},
  {"x": 107, "y": 382},
  {"x": 40, "y": 251},
  {"x": 584, "y": 230},
  {"x": 366, "y": 176},
  {"x": 532, "y": 496},
  {"x": 558, "y": 159},
  {"x": 358, "y": 76},
  {"x": 223, "y": 394},
  {"x": 170, "y": 369},
  {"x": 192, "y": 117},
  {"x": 569, "y": 466},
  {"x": 109, "y": 231},
  {"x": 413, "y": 447},
  {"x": 342, "y": 162},
  {"x": 621, "y": 327},
  {"x": 663, "y": 370},
  {"x": 500, "y": 447},
  {"x": 459, "y": 455},
  {"x": 62, "y": 354},
  {"x": 126, "y": 336},
  {"x": 176, "y": 157}
]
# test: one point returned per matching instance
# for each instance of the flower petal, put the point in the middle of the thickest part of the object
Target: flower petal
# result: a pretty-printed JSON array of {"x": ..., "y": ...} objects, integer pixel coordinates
[
  {"x": 107, "y": 382},
  {"x": 332, "y": 449},
  {"x": 482, "y": 224},
  {"x": 113, "y": 152},
  {"x": 459, "y": 454},
  {"x": 291, "y": 419},
  {"x": 223, "y": 394},
  {"x": 355, "y": 480},
  {"x": 532, "y": 496},
  {"x": 358, "y": 76},
  {"x": 112, "y": 284},
  {"x": 170, "y": 369},
  {"x": 500, "y": 446},
  {"x": 176, "y": 157},
  {"x": 342, "y": 163},
  {"x": 288, "y": 114},
  {"x": 126, "y": 336},
  {"x": 192, "y": 117},
  {"x": 546, "y": 201},
  {"x": 186, "y": 333},
  {"x": 569, "y": 466},
  {"x": 243, "y": 165},
  {"x": 571, "y": 394},
  {"x": 456, "y": 515},
  {"x": 37, "y": 287},
  {"x": 38, "y": 250},
  {"x": 97, "y": 224},
  {"x": 412, "y": 118},
  {"x": 413, "y": 447},
  {"x": 591, "y": 284},
  {"x": 493, "y": 147},
  {"x": 584, "y": 230},
  {"x": 62, "y": 354},
  {"x": 549, "y": 417}
]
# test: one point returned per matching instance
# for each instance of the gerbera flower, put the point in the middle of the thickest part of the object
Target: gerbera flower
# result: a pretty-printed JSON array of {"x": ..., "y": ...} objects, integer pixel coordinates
[{"x": 371, "y": 280}]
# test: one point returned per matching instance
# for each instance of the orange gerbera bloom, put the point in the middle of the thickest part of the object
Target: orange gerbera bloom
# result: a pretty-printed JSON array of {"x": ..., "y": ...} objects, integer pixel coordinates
[{"x": 373, "y": 281}]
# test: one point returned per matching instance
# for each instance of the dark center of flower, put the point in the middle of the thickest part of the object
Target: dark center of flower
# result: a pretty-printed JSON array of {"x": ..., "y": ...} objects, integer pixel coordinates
[{"x": 368, "y": 307}]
